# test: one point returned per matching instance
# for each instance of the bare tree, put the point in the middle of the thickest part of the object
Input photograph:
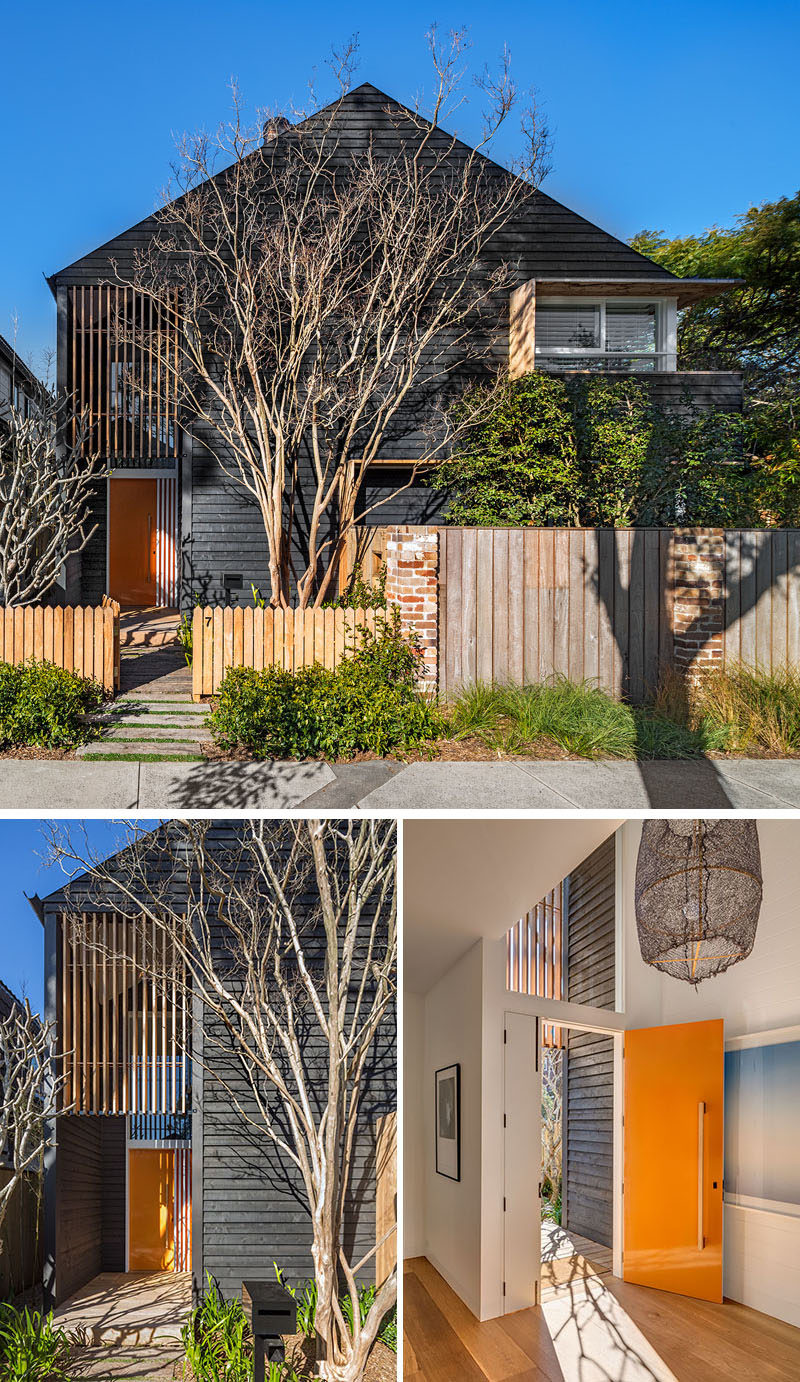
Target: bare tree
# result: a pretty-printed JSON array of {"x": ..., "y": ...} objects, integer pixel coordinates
[
  {"x": 288, "y": 935},
  {"x": 29, "y": 1092},
  {"x": 327, "y": 296},
  {"x": 552, "y": 1075},
  {"x": 46, "y": 490}
]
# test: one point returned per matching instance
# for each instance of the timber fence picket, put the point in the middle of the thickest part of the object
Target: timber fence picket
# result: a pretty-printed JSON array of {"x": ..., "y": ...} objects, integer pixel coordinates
[
  {"x": 259, "y": 638},
  {"x": 79, "y": 638}
]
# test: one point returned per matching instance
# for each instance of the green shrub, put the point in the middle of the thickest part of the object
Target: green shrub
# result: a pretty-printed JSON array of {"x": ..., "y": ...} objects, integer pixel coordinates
[
  {"x": 750, "y": 709},
  {"x": 368, "y": 704},
  {"x": 31, "y": 1349},
  {"x": 42, "y": 705},
  {"x": 218, "y": 1342},
  {"x": 305, "y": 1295},
  {"x": 362, "y": 594}
]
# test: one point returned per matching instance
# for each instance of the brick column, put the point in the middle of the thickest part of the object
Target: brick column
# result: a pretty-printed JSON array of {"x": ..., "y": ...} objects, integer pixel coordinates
[
  {"x": 698, "y": 599},
  {"x": 412, "y": 583}
]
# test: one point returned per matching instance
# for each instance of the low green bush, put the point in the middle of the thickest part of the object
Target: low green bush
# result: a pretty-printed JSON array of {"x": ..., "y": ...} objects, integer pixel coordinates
[
  {"x": 31, "y": 1348},
  {"x": 370, "y": 703},
  {"x": 42, "y": 705}
]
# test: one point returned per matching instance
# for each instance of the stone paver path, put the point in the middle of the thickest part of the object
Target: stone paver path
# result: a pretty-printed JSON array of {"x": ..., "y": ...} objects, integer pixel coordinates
[
  {"x": 145, "y": 728},
  {"x": 154, "y": 717}
]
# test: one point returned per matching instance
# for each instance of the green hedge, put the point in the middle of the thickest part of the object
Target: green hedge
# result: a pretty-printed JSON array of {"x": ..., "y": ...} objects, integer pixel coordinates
[
  {"x": 42, "y": 705},
  {"x": 368, "y": 704}
]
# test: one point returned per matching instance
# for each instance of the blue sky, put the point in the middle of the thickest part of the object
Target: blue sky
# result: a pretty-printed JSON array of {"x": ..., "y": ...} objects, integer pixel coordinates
[
  {"x": 23, "y": 870},
  {"x": 670, "y": 116}
]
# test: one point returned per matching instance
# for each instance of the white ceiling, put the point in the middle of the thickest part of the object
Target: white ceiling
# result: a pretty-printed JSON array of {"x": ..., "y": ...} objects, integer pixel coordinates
[{"x": 464, "y": 879}]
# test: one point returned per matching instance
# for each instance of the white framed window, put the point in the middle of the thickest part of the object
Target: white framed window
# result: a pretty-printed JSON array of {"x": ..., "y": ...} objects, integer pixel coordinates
[{"x": 627, "y": 334}]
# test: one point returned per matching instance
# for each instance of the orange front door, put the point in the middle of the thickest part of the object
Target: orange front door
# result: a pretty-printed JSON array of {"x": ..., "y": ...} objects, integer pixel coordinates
[
  {"x": 673, "y": 1158},
  {"x": 132, "y": 541},
  {"x": 151, "y": 1210}
]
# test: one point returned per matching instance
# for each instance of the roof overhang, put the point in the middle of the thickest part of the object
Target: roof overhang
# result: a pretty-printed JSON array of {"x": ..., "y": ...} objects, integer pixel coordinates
[{"x": 686, "y": 290}]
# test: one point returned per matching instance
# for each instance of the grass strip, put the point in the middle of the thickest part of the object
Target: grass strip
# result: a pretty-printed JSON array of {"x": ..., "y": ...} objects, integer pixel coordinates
[{"x": 143, "y": 758}]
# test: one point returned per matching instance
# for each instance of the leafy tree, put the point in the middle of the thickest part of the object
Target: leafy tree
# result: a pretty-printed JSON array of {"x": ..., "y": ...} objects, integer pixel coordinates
[
  {"x": 754, "y": 328},
  {"x": 595, "y": 452},
  {"x": 518, "y": 462}
]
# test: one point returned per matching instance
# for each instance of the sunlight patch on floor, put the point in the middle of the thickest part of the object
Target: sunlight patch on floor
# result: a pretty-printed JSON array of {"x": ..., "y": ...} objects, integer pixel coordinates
[{"x": 596, "y": 1340}]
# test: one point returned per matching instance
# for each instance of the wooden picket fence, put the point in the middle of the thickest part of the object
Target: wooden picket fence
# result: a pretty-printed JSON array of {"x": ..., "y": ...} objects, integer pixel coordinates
[
  {"x": 287, "y": 638},
  {"x": 79, "y": 638}
]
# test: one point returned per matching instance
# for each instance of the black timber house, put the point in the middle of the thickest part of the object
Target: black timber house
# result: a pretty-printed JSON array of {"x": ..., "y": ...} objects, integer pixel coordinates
[
  {"x": 172, "y": 525},
  {"x": 152, "y": 1167}
]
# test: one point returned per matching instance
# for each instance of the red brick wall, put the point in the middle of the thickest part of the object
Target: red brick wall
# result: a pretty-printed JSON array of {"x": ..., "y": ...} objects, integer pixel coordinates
[
  {"x": 412, "y": 583},
  {"x": 698, "y": 599}
]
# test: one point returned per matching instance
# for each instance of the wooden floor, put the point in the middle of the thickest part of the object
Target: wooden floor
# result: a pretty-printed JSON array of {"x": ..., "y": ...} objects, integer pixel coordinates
[{"x": 695, "y": 1341}]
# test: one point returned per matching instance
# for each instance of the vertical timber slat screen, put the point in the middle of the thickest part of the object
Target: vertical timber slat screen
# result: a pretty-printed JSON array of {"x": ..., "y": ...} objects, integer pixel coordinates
[
  {"x": 535, "y": 955},
  {"x": 526, "y": 604},
  {"x": 259, "y": 638},
  {"x": 122, "y": 368},
  {"x": 385, "y": 1196},
  {"x": 124, "y": 1025}
]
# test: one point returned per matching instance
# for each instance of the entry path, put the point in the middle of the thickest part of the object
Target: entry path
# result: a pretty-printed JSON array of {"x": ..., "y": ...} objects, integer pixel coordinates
[{"x": 386, "y": 786}]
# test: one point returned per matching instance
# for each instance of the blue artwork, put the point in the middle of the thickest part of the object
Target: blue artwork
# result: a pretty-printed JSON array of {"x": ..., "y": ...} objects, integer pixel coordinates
[{"x": 762, "y": 1123}]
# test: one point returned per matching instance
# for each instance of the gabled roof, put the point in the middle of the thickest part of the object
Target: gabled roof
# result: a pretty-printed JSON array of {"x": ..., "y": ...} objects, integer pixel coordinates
[
  {"x": 81, "y": 883},
  {"x": 363, "y": 111},
  {"x": 16, "y": 364},
  {"x": 8, "y": 1000}
]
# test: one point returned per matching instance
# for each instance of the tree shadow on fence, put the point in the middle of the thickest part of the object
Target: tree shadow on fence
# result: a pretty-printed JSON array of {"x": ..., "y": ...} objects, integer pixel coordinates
[{"x": 742, "y": 589}]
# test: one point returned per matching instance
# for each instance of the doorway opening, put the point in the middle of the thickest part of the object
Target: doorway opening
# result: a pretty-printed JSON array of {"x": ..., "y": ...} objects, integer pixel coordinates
[
  {"x": 577, "y": 1195},
  {"x": 159, "y": 1193},
  {"x": 143, "y": 540}
]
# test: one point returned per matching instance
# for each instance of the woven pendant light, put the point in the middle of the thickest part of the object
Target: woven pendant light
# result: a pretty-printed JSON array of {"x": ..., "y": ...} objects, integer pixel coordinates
[{"x": 698, "y": 895}]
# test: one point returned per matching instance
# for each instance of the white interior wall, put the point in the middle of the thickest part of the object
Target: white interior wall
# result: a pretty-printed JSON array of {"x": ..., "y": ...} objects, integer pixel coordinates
[
  {"x": 413, "y": 1131},
  {"x": 452, "y": 1209}
]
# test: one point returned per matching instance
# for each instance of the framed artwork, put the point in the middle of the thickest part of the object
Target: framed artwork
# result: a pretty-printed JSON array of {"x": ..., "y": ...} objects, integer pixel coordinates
[
  {"x": 448, "y": 1122},
  {"x": 762, "y": 1121}
]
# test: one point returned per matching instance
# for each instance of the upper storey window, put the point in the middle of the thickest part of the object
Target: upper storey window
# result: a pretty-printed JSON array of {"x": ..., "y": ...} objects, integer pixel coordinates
[
  {"x": 122, "y": 372},
  {"x": 611, "y": 334}
]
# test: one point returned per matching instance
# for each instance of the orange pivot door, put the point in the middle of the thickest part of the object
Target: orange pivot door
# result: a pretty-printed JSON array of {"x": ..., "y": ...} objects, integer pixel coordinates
[
  {"x": 132, "y": 541},
  {"x": 673, "y": 1158},
  {"x": 151, "y": 1210}
]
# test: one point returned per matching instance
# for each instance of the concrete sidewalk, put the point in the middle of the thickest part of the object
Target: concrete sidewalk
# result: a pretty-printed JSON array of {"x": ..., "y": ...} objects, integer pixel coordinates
[{"x": 387, "y": 786}]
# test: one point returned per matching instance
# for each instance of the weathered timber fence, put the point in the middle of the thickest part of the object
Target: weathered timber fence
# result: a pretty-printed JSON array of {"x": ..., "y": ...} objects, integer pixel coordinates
[
  {"x": 526, "y": 604},
  {"x": 287, "y": 638},
  {"x": 614, "y": 606},
  {"x": 81, "y": 638}
]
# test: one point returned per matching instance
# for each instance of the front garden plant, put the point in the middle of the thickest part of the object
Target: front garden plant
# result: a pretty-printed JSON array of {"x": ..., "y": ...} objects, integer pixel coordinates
[
  {"x": 44, "y": 705},
  {"x": 369, "y": 704}
]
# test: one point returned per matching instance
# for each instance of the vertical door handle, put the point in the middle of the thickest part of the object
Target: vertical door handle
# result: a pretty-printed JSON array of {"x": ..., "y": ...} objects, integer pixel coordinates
[
  {"x": 149, "y": 567},
  {"x": 701, "y": 1174}
]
